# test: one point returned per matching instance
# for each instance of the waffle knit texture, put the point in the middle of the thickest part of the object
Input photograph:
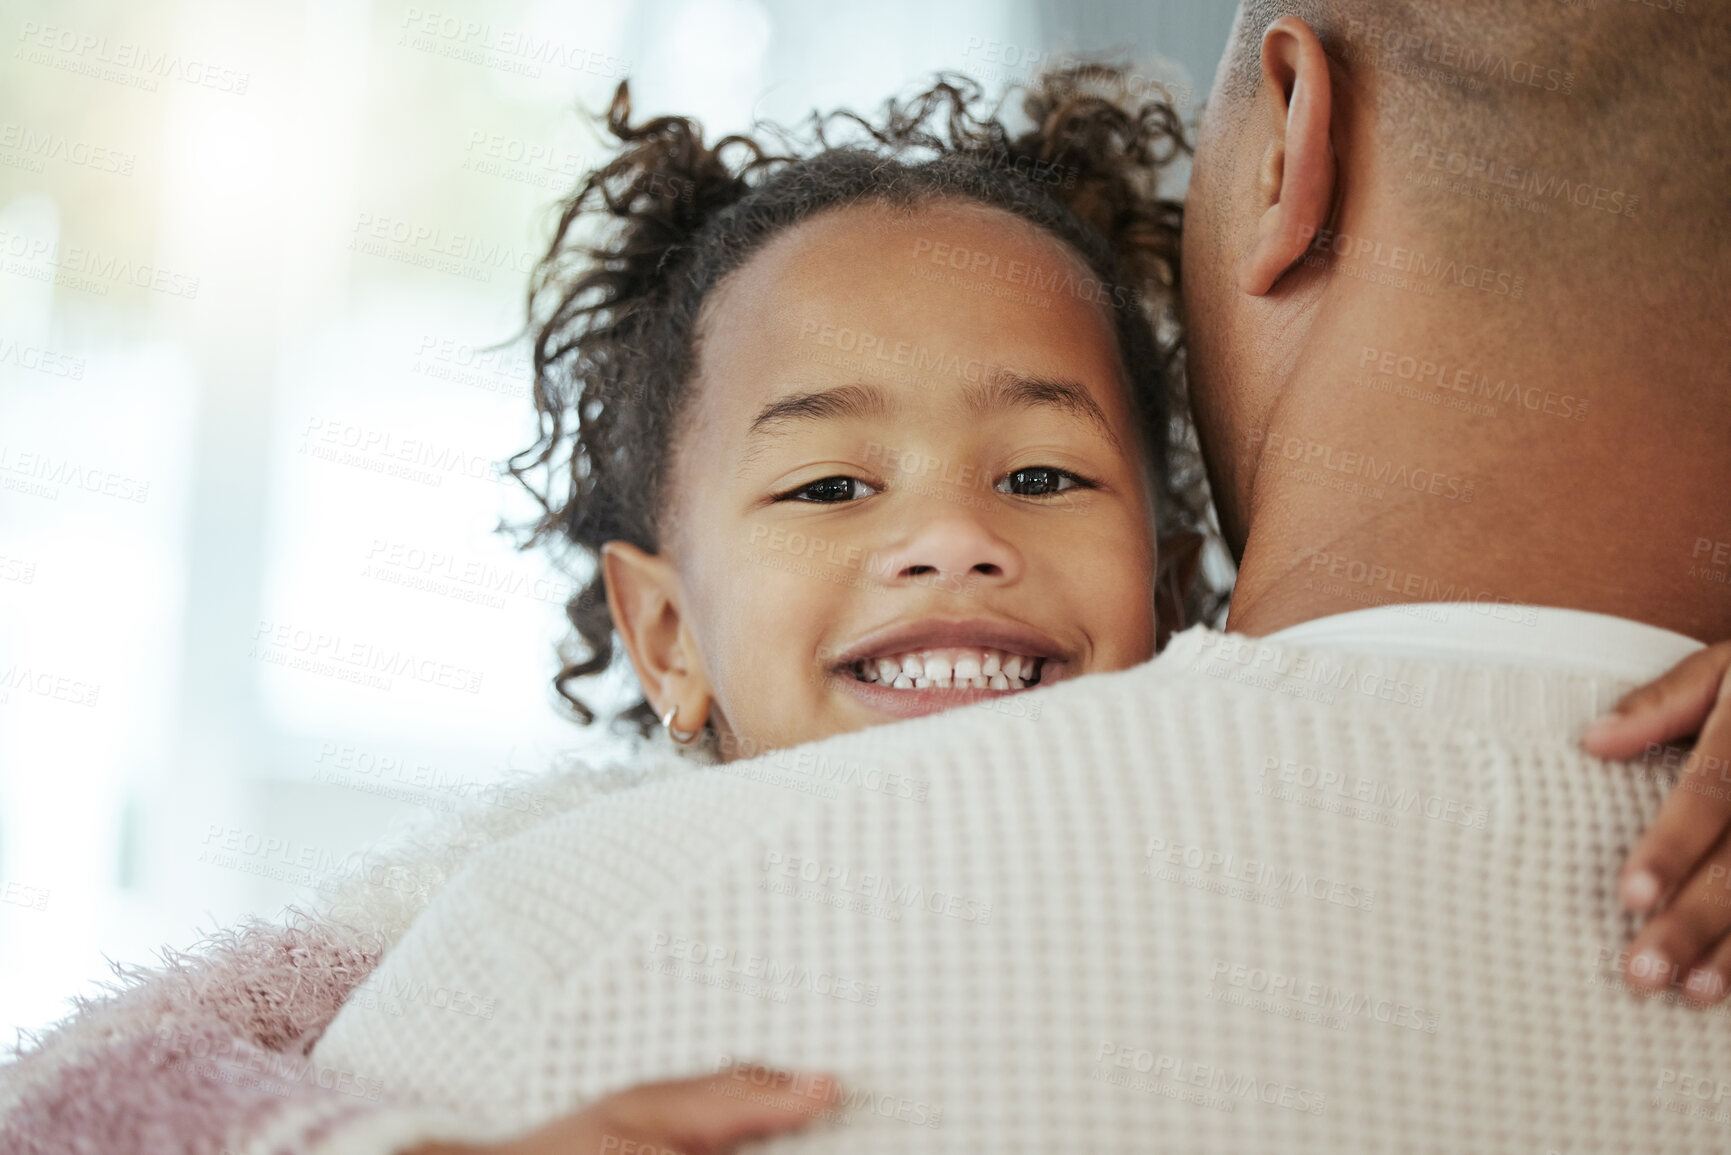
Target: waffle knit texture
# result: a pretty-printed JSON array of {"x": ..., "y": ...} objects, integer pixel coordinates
[{"x": 1246, "y": 897}]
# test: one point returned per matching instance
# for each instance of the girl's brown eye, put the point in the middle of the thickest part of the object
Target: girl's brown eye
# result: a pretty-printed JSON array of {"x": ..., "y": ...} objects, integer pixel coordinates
[
  {"x": 1038, "y": 481},
  {"x": 830, "y": 490}
]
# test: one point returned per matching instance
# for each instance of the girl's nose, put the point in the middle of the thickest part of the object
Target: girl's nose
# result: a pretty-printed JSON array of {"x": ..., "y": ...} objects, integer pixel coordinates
[{"x": 953, "y": 546}]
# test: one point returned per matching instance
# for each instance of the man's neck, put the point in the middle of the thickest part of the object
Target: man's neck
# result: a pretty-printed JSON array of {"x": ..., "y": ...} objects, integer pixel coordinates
[{"x": 1493, "y": 450}]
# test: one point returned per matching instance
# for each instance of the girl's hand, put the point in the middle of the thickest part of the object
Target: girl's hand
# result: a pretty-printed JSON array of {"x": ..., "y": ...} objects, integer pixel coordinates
[
  {"x": 1682, "y": 865},
  {"x": 706, "y": 1116}
]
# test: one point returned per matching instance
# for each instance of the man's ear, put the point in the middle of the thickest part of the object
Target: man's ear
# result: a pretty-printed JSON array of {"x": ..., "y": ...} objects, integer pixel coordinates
[
  {"x": 643, "y": 597},
  {"x": 1295, "y": 179}
]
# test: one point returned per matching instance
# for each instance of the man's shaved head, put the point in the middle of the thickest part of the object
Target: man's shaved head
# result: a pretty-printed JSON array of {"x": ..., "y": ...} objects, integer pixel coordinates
[{"x": 1545, "y": 102}]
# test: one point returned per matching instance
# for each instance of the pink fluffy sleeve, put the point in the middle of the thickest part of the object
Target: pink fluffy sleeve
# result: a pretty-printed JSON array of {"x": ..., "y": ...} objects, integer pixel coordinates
[{"x": 207, "y": 1055}]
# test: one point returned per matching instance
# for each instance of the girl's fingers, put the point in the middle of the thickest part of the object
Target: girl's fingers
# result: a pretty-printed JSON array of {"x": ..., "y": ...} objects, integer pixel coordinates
[
  {"x": 1694, "y": 815},
  {"x": 715, "y": 1113},
  {"x": 1711, "y": 981},
  {"x": 1686, "y": 938},
  {"x": 1695, "y": 696},
  {"x": 1671, "y": 706}
]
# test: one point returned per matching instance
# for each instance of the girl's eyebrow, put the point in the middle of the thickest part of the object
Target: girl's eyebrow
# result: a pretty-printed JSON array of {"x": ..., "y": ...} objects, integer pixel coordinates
[
  {"x": 1005, "y": 389},
  {"x": 842, "y": 401}
]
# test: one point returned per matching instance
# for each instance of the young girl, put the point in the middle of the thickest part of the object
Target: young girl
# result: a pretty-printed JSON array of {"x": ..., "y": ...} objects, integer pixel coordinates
[
  {"x": 871, "y": 431},
  {"x": 856, "y": 426}
]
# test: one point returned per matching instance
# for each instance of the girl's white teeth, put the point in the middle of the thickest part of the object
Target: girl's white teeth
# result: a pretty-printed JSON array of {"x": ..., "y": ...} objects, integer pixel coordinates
[{"x": 968, "y": 669}]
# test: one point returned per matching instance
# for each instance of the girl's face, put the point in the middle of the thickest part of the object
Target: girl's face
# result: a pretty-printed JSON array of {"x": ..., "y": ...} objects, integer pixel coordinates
[{"x": 907, "y": 480}]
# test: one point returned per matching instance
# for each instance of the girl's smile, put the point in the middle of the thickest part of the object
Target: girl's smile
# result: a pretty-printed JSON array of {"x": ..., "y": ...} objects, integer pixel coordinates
[{"x": 913, "y": 668}]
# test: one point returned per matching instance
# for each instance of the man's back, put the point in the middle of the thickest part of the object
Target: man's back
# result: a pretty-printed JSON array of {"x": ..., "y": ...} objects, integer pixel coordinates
[{"x": 1245, "y": 897}]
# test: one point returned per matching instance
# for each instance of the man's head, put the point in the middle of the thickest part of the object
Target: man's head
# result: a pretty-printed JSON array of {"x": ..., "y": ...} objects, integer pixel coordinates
[{"x": 1526, "y": 172}]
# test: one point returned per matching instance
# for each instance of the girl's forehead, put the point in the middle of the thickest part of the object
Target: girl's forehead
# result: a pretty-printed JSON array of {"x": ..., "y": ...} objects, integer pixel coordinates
[{"x": 924, "y": 300}]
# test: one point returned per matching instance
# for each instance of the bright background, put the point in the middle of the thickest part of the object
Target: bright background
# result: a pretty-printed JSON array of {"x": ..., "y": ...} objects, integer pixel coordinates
[{"x": 226, "y": 434}]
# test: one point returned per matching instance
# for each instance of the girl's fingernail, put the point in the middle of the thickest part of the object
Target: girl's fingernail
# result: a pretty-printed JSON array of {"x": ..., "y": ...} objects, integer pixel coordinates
[
  {"x": 1651, "y": 966},
  {"x": 1640, "y": 890},
  {"x": 1602, "y": 727}
]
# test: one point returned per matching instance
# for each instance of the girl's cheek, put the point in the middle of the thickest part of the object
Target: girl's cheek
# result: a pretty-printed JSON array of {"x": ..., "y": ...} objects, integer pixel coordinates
[{"x": 774, "y": 683}]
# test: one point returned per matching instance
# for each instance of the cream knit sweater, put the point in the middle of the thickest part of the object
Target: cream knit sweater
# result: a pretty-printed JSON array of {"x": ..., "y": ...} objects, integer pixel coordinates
[{"x": 1243, "y": 898}]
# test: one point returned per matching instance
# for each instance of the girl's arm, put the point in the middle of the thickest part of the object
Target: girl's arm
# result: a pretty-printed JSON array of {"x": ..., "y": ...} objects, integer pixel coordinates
[
  {"x": 1681, "y": 868},
  {"x": 682, "y": 1117}
]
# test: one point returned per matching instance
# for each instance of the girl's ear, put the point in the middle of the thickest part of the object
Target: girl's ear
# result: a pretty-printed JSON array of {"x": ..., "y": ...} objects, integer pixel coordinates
[
  {"x": 643, "y": 597},
  {"x": 1180, "y": 562}
]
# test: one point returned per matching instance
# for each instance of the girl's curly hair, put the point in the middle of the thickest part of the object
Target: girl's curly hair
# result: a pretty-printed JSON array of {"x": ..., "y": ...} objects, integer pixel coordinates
[{"x": 614, "y": 303}]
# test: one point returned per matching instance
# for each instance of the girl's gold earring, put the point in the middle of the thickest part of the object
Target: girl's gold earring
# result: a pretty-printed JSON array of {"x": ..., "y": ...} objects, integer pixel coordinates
[{"x": 683, "y": 737}]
